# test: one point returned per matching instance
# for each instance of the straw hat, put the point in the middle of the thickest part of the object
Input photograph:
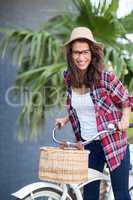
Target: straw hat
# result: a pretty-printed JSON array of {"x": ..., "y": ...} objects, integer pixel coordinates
[{"x": 81, "y": 32}]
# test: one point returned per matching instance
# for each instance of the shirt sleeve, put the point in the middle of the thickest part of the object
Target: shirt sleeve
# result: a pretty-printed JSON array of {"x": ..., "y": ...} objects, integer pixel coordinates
[{"x": 118, "y": 93}]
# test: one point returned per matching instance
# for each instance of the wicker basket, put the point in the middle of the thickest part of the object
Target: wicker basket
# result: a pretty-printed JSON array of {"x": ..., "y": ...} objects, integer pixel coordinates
[{"x": 63, "y": 166}]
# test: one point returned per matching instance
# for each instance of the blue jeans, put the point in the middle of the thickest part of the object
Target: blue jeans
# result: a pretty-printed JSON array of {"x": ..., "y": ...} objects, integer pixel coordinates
[{"x": 119, "y": 176}]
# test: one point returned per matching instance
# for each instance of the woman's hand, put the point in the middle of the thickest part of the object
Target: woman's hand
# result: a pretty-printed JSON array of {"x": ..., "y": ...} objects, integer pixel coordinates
[
  {"x": 123, "y": 125},
  {"x": 61, "y": 122},
  {"x": 79, "y": 146}
]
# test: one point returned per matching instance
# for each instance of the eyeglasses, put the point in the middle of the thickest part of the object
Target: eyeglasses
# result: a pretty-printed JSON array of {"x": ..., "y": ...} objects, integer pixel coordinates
[{"x": 85, "y": 53}]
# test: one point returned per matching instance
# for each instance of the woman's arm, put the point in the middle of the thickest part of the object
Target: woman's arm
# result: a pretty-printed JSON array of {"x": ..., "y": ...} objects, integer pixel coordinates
[
  {"x": 120, "y": 96},
  {"x": 117, "y": 92}
]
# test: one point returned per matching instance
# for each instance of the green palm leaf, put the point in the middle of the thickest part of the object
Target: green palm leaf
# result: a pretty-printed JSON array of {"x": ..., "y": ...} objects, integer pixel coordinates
[{"x": 127, "y": 22}]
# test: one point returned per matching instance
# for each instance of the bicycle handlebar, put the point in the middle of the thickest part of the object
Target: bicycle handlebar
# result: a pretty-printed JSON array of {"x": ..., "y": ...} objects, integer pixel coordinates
[{"x": 110, "y": 130}]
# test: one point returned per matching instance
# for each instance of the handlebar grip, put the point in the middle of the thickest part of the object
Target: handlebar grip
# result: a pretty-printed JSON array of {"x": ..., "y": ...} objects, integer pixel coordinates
[{"x": 58, "y": 125}]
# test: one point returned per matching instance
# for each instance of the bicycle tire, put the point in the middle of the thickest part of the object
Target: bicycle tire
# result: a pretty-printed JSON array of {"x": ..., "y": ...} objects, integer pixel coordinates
[{"x": 44, "y": 194}]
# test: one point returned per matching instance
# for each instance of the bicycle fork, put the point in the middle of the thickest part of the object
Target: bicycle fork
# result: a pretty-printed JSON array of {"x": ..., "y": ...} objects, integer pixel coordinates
[
  {"x": 65, "y": 193},
  {"x": 69, "y": 192}
]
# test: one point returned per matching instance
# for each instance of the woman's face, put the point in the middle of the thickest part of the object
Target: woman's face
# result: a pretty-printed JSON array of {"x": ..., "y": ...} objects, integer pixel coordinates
[{"x": 81, "y": 55}]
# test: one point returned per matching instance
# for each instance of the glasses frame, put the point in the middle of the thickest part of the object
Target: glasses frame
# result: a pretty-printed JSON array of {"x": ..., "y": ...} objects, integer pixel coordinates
[{"x": 85, "y": 53}]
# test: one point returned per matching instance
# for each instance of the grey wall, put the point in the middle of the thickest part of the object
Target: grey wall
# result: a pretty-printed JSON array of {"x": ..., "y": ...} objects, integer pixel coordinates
[
  {"x": 19, "y": 161},
  {"x": 30, "y": 13}
]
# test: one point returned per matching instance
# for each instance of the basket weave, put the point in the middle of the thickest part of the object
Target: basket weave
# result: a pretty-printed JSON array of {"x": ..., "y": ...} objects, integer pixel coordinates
[{"x": 63, "y": 166}]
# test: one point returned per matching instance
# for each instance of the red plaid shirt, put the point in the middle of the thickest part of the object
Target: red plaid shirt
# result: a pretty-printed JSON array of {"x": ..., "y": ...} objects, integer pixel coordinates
[{"x": 109, "y": 97}]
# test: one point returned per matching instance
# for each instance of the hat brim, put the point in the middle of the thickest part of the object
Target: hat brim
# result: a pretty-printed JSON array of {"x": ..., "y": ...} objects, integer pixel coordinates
[{"x": 66, "y": 44}]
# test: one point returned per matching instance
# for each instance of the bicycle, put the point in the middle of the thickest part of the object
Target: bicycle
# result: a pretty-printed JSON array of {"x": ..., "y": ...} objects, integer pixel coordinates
[{"x": 45, "y": 190}]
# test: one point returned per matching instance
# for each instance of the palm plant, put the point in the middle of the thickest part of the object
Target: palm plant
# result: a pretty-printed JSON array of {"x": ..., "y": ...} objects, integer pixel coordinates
[{"x": 41, "y": 61}]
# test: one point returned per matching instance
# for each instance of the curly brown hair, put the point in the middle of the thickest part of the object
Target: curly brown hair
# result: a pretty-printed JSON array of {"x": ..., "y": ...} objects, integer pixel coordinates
[{"x": 94, "y": 70}]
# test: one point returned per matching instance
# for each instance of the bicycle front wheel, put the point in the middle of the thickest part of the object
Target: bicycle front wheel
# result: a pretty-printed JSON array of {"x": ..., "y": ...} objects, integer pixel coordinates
[{"x": 44, "y": 194}]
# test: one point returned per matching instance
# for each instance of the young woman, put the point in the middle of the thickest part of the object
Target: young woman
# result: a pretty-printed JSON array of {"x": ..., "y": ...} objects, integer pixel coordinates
[{"x": 95, "y": 98}]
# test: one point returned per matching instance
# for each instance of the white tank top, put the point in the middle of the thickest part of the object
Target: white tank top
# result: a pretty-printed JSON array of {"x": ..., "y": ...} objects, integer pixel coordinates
[{"x": 84, "y": 107}]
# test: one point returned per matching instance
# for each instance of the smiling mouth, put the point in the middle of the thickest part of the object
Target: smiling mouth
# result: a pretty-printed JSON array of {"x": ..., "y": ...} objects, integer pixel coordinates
[{"x": 82, "y": 65}]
